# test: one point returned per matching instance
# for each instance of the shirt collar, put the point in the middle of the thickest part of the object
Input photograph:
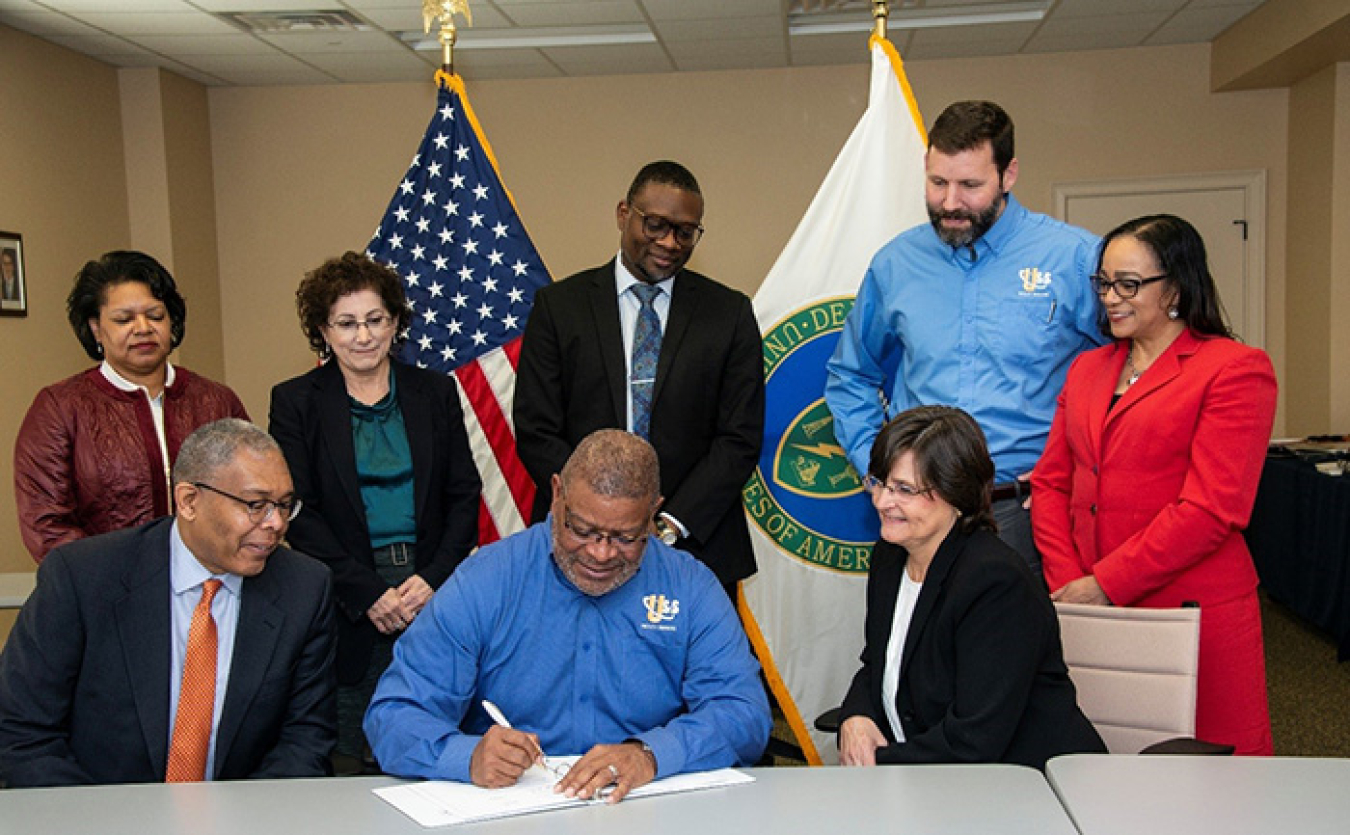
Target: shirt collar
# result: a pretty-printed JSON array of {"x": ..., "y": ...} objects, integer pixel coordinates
[
  {"x": 623, "y": 279},
  {"x": 186, "y": 572},
  {"x": 111, "y": 375},
  {"x": 993, "y": 241}
]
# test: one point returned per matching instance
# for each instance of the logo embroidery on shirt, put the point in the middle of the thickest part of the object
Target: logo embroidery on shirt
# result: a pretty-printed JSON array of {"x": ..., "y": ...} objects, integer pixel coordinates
[
  {"x": 1034, "y": 281},
  {"x": 660, "y": 608}
]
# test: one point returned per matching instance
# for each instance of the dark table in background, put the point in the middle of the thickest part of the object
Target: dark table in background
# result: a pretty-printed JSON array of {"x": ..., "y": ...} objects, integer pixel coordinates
[{"x": 1299, "y": 537}]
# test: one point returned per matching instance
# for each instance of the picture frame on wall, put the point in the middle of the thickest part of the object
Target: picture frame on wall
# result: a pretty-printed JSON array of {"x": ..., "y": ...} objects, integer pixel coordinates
[{"x": 13, "y": 289}]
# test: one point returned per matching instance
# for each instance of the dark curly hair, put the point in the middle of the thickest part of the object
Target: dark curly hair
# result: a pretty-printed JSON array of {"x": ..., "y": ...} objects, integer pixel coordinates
[
  {"x": 90, "y": 293},
  {"x": 338, "y": 277},
  {"x": 950, "y": 457}
]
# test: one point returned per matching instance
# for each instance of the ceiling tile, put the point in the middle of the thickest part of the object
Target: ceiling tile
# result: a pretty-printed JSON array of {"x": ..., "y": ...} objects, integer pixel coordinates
[
  {"x": 46, "y": 24},
  {"x": 408, "y": 18},
  {"x": 98, "y": 44},
  {"x": 687, "y": 54},
  {"x": 922, "y": 51},
  {"x": 595, "y": 12},
  {"x": 705, "y": 9},
  {"x": 236, "y": 44},
  {"x": 79, "y": 7},
  {"x": 743, "y": 28},
  {"x": 1004, "y": 33},
  {"x": 158, "y": 23},
  {"x": 307, "y": 43},
  {"x": 368, "y": 67},
  {"x": 1128, "y": 27},
  {"x": 609, "y": 60},
  {"x": 1097, "y": 8},
  {"x": 1197, "y": 25}
]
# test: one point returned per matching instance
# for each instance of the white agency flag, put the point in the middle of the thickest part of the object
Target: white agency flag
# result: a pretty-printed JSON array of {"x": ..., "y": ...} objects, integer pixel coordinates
[{"x": 812, "y": 523}]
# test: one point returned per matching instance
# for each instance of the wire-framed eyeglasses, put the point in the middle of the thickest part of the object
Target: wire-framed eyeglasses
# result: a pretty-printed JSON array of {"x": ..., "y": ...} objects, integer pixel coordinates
[{"x": 259, "y": 510}]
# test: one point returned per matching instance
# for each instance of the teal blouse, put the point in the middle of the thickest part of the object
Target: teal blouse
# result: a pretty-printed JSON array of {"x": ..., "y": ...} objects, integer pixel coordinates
[{"x": 384, "y": 469}]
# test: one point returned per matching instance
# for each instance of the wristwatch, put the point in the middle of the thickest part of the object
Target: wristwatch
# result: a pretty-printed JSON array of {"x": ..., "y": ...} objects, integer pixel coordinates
[{"x": 665, "y": 531}]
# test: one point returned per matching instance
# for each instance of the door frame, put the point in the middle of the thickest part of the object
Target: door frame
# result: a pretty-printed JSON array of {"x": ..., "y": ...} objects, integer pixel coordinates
[{"x": 1252, "y": 183}]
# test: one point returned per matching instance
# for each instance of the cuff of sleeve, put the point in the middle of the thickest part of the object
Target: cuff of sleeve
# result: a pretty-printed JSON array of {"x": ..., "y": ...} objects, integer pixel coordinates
[
  {"x": 453, "y": 763},
  {"x": 666, "y": 748}
]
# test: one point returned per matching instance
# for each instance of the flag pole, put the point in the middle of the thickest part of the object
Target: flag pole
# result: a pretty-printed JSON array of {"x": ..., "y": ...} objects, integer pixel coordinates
[
  {"x": 445, "y": 11},
  {"x": 880, "y": 12}
]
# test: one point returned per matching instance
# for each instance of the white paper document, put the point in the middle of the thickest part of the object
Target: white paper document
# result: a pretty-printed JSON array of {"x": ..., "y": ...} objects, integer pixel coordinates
[{"x": 442, "y": 803}]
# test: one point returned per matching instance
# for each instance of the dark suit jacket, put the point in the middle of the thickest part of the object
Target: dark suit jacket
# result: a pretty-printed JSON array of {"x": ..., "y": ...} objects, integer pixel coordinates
[
  {"x": 311, "y": 419},
  {"x": 84, "y": 678},
  {"x": 707, "y": 409},
  {"x": 982, "y": 674}
]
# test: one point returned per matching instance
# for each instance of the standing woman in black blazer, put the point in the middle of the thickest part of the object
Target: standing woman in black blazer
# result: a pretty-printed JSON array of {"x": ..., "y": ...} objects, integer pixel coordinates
[
  {"x": 962, "y": 661},
  {"x": 380, "y": 457}
]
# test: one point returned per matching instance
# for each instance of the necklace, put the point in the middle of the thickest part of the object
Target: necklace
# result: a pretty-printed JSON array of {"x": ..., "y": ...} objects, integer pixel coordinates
[{"x": 1129, "y": 366}]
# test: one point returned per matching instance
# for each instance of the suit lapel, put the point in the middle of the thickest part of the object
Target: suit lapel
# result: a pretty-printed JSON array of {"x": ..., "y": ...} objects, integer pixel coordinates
[
  {"x": 144, "y": 627},
  {"x": 1163, "y": 371},
  {"x": 417, "y": 422},
  {"x": 255, "y": 642},
  {"x": 604, "y": 306},
  {"x": 335, "y": 421},
  {"x": 929, "y": 593},
  {"x": 683, "y": 302}
]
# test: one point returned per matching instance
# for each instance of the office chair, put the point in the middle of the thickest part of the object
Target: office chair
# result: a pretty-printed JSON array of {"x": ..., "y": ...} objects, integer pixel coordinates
[{"x": 1135, "y": 672}]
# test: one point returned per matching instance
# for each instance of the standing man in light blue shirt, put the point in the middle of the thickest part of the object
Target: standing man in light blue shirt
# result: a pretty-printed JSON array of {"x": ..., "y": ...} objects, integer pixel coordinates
[
  {"x": 590, "y": 634},
  {"x": 983, "y": 309}
]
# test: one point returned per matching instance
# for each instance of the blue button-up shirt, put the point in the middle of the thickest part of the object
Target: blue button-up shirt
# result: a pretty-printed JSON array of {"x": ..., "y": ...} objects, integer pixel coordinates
[
  {"x": 990, "y": 328},
  {"x": 662, "y": 659}
]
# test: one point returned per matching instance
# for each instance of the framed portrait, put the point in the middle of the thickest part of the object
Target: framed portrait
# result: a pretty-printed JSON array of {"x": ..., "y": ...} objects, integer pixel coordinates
[{"x": 13, "y": 290}]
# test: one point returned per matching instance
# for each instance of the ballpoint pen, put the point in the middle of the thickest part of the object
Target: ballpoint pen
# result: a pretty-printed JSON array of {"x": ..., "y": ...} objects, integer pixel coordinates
[{"x": 500, "y": 718}]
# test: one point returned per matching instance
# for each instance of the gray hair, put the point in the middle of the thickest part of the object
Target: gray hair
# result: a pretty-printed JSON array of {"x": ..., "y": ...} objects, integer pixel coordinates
[
  {"x": 215, "y": 445},
  {"x": 615, "y": 464}
]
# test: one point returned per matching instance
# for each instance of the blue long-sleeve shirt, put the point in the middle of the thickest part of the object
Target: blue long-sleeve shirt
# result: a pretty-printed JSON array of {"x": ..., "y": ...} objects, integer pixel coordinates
[
  {"x": 992, "y": 332},
  {"x": 662, "y": 659}
]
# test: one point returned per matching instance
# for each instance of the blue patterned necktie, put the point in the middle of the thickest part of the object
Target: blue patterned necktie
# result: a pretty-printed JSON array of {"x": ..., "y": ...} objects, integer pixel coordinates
[{"x": 646, "y": 349}]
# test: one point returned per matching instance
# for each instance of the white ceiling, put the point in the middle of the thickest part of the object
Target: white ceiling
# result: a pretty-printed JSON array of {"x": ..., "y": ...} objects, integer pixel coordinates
[{"x": 184, "y": 35}]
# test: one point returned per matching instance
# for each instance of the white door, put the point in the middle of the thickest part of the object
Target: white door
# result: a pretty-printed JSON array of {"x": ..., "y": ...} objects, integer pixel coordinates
[{"x": 1227, "y": 209}]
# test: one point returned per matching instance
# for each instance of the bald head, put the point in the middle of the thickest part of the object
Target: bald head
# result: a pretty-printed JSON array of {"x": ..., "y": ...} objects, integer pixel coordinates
[{"x": 614, "y": 464}]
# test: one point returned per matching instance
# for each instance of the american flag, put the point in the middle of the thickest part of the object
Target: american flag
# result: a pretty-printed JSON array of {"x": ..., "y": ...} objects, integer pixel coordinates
[{"x": 470, "y": 271}]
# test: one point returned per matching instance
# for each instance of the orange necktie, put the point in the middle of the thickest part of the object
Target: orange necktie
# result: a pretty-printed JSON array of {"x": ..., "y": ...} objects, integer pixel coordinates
[{"x": 197, "y": 697}]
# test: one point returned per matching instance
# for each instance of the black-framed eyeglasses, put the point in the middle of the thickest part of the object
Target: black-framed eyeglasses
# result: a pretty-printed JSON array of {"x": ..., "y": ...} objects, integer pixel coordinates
[
  {"x": 897, "y": 489},
  {"x": 376, "y": 324},
  {"x": 1126, "y": 288},
  {"x": 259, "y": 510},
  {"x": 594, "y": 536},
  {"x": 656, "y": 227}
]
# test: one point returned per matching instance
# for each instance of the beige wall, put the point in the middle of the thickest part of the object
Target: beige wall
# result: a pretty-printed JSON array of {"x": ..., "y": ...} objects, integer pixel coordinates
[{"x": 63, "y": 187}]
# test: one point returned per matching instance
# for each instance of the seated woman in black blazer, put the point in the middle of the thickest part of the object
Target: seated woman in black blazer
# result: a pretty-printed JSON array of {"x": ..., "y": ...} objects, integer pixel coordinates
[{"x": 962, "y": 661}]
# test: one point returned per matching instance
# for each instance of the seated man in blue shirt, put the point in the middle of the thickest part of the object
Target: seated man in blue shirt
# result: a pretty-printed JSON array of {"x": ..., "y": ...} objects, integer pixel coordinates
[{"x": 590, "y": 635}]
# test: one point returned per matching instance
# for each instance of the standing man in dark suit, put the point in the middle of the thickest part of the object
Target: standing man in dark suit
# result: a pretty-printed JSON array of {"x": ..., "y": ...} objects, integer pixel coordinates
[
  {"x": 592, "y": 343},
  {"x": 193, "y": 647}
]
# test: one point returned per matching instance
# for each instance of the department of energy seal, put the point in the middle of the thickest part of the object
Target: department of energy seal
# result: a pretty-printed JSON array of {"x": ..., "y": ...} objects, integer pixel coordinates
[{"x": 804, "y": 495}]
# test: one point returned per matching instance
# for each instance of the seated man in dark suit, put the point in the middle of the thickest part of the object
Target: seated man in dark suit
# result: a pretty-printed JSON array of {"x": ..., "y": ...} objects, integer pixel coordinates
[{"x": 190, "y": 648}]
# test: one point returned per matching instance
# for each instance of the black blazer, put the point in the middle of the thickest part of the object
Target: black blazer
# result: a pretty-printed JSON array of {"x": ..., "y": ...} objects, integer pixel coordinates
[
  {"x": 707, "y": 409},
  {"x": 982, "y": 674},
  {"x": 311, "y": 419},
  {"x": 84, "y": 677}
]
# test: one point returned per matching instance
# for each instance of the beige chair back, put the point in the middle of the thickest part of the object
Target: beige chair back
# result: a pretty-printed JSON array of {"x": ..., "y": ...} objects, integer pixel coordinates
[{"x": 1134, "y": 669}]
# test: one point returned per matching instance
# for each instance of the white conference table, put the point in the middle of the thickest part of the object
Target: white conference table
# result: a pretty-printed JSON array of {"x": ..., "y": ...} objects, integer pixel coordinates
[
  {"x": 1159, "y": 795},
  {"x": 914, "y": 800}
]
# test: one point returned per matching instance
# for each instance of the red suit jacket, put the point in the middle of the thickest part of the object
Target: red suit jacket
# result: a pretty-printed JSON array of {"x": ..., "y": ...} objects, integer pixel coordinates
[{"x": 1151, "y": 497}]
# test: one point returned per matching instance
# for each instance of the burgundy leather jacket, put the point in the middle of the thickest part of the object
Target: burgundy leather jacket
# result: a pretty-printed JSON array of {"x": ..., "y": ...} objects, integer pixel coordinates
[{"x": 87, "y": 458}]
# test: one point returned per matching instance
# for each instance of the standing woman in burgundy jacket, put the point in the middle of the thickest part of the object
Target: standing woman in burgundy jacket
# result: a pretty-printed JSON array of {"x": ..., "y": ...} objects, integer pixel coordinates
[
  {"x": 95, "y": 450},
  {"x": 1151, "y": 469}
]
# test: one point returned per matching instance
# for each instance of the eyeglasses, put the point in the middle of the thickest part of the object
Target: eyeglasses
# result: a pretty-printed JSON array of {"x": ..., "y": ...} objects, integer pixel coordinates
[
  {"x": 1126, "y": 288},
  {"x": 593, "y": 536},
  {"x": 656, "y": 227},
  {"x": 375, "y": 324},
  {"x": 897, "y": 489},
  {"x": 259, "y": 510}
]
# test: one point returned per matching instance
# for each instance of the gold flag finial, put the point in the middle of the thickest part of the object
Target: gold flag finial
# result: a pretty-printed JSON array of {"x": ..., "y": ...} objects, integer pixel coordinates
[
  {"x": 445, "y": 11},
  {"x": 880, "y": 12}
]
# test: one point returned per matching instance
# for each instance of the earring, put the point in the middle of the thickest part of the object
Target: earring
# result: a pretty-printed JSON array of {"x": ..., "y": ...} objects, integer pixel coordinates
[
  {"x": 100, "y": 348},
  {"x": 1172, "y": 312}
]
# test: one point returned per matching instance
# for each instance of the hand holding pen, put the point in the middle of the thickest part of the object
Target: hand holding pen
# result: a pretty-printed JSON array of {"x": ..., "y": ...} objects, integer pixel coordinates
[{"x": 504, "y": 753}]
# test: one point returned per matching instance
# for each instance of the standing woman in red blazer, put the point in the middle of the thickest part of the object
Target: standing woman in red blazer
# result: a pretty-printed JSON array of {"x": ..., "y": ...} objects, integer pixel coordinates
[{"x": 1152, "y": 464}]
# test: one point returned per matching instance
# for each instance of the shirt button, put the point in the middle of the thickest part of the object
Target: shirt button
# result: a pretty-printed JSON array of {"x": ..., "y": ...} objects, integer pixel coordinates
[
  {"x": 1093, "y": 510},
  {"x": 586, "y": 646},
  {"x": 584, "y": 698}
]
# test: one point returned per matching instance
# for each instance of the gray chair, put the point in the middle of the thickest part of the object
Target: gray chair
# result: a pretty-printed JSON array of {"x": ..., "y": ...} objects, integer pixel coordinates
[{"x": 1135, "y": 672}]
